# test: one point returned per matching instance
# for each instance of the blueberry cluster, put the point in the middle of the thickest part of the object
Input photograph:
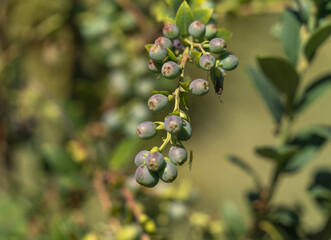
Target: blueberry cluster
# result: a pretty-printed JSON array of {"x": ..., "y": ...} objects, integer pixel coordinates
[{"x": 169, "y": 55}]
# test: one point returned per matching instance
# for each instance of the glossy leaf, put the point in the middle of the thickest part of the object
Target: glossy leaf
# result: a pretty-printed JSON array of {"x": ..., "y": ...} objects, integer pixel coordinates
[
  {"x": 316, "y": 39},
  {"x": 313, "y": 92},
  {"x": 184, "y": 18},
  {"x": 290, "y": 35},
  {"x": 225, "y": 34},
  {"x": 172, "y": 56},
  {"x": 268, "y": 92},
  {"x": 281, "y": 73},
  {"x": 203, "y": 15}
]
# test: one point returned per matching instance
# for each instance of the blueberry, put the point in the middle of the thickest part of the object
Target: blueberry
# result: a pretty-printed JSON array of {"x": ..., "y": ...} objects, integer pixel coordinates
[
  {"x": 155, "y": 161},
  {"x": 207, "y": 62},
  {"x": 217, "y": 45},
  {"x": 178, "y": 155},
  {"x": 211, "y": 31},
  {"x": 170, "y": 70},
  {"x": 157, "y": 102},
  {"x": 170, "y": 31},
  {"x": 140, "y": 158},
  {"x": 154, "y": 67},
  {"x": 173, "y": 124},
  {"x": 168, "y": 173},
  {"x": 199, "y": 87},
  {"x": 164, "y": 41},
  {"x": 158, "y": 52},
  {"x": 197, "y": 29},
  {"x": 186, "y": 132},
  {"x": 177, "y": 45},
  {"x": 146, "y": 130},
  {"x": 145, "y": 177},
  {"x": 229, "y": 62}
]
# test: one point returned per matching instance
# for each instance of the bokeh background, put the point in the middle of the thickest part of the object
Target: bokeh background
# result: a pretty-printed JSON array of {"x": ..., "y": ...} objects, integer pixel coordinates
[{"x": 73, "y": 88}]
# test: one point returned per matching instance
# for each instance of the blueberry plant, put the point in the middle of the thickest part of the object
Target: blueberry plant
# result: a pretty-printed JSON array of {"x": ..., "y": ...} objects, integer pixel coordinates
[
  {"x": 303, "y": 30},
  {"x": 190, "y": 37}
]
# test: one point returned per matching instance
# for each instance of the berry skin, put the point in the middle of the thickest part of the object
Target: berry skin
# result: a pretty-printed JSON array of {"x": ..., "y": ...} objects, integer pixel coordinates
[
  {"x": 173, "y": 124},
  {"x": 145, "y": 177},
  {"x": 168, "y": 173},
  {"x": 158, "y": 52},
  {"x": 155, "y": 161},
  {"x": 217, "y": 45},
  {"x": 177, "y": 45},
  {"x": 170, "y": 70},
  {"x": 170, "y": 31},
  {"x": 186, "y": 132},
  {"x": 157, "y": 102},
  {"x": 178, "y": 155},
  {"x": 230, "y": 62},
  {"x": 197, "y": 29},
  {"x": 207, "y": 62},
  {"x": 211, "y": 31},
  {"x": 164, "y": 41},
  {"x": 146, "y": 130},
  {"x": 154, "y": 67},
  {"x": 140, "y": 158},
  {"x": 199, "y": 87}
]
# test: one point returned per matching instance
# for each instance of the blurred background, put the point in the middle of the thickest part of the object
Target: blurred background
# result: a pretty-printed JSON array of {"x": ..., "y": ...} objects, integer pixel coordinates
[{"x": 73, "y": 87}]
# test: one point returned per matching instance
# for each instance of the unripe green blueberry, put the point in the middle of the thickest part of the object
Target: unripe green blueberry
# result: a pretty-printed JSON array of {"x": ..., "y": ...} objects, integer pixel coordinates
[
  {"x": 146, "y": 130},
  {"x": 197, "y": 29},
  {"x": 173, "y": 124},
  {"x": 217, "y": 45},
  {"x": 164, "y": 41},
  {"x": 186, "y": 132},
  {"x": 178, "y": 155},
  {"x": 229, "y": 63},
  {"x": 154, "y": 67},
  {"x": 145, "y": 177},
  {"x": 168, "y": 173},
  {"x": 170, "y": 70},
  {"x": 199, "y": 87},
  {"x": 155, "y": 161},
  {"x": 170, "y": 31},
  {"x": 211, "y": 31},
  {"x": 158, "y": 102},
  {"x": 207, "y": 62},
  {"x": 140, "y": 157},
  {"x": 158, "y": 52}
]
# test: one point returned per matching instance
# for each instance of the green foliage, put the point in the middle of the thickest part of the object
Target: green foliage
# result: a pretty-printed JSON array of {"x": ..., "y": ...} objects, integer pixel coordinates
[{"x": 184, "y": 17}]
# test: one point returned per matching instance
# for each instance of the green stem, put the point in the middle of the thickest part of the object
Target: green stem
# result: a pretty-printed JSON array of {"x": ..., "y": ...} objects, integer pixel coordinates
[
  {"x": 193, "y": 44},
  {"x": 165, "y": 142}
]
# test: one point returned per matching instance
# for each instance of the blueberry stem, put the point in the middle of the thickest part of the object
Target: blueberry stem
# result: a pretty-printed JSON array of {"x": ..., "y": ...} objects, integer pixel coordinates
[
  {"x": 165, "y": 142},
  {"x": 193, "y": 44}
]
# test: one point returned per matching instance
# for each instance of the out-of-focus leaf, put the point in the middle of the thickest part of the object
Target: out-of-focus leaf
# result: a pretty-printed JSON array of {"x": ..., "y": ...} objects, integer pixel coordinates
[
  {"x": 277, "y": 153},
  {"x": 320, "y": 189},
  {"x": 162, "y": 12},
  {"x": 290, "y": 35},
  {"x": 172, "y": 56},
  {"x": 268, "y": 92},
  {"x": 316, "y": 39},
  {"x": 166, "y": 93},
  {"x": 285, "y": 216},
  {"x": 191, "y": 160},
  {"x": 174, "y": 4},
  {"x": 203, "y": 15},
  {"x": 195, "y": 4},
  {"x": 312, "y": 92},
  {"x": 233, "y": 220},
  {"x": 225, "y": 34},
  {"x": 184, "y": 18},
  {"x": 281, "y": 73},
  {"x": 301, "y": 158},
  {"x": 148, "y": 46},
  {"x": 123, "y": 152}
]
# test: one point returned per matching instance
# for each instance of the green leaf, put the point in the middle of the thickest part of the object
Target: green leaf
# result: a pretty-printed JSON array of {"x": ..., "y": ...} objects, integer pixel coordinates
[
  {"x": 234, "y": 223},
  {"x": 225, "y": 34},
  {"x": 277, "y": 153},
  {"x": 184, "y": 18},
  {"x": 171, "y": 55},
  {"x": 316, "y": 39},
  {"x": 290, "y": 35},
  {"x": 320, "y": 189},
  {"x": 196, "y": 56},
  {"x": 174, "y": 4},
  {"x": 183, "y": 99},
  {"x": 123, "y": 152},
  {"x": 281, "y": 73},
  {"x": 191, "y": 160},
  {"x": 196, "y": 4},
  {"x": 269, "y": 93},
  {"x": 301, "y": 158},
  {"x": 312, "y": 92},
  {"x": 203, "y": 14},
  {"x": 217, "y": 78},
  {"x": 185, "y": 85},
  {"x": 148, "y": 46},
  {"x": 163, "y": 13}
]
